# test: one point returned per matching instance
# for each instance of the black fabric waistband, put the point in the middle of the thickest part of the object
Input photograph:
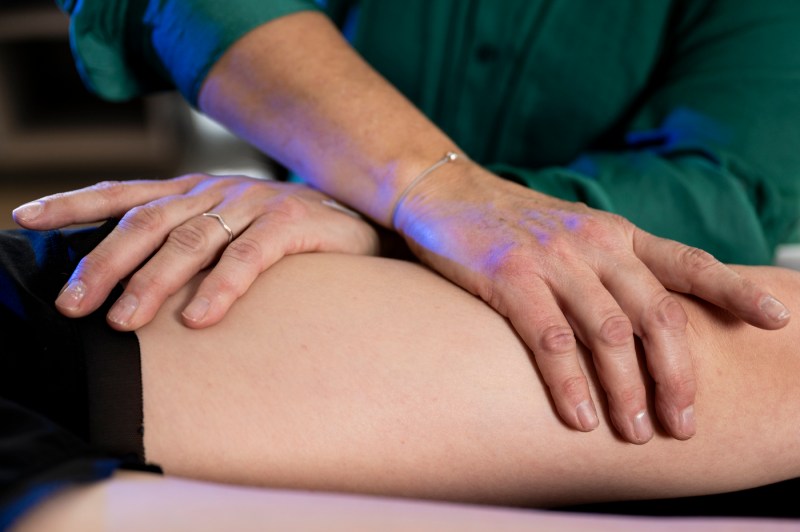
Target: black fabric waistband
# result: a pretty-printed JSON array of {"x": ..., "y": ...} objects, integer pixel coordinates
[{"x": 79, "y": 373}]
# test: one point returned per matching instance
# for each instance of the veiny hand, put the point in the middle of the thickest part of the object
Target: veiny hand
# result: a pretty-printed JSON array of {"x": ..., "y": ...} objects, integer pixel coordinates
[
  {"x": 559, "y": 270},
  {"x": 163, "y": 240}
]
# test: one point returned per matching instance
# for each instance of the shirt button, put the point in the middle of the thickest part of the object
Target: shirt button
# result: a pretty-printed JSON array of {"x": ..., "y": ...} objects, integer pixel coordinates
[{"x": 486, "y": 53}]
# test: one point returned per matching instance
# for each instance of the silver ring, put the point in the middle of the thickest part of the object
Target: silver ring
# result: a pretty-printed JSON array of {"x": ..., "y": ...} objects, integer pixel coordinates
[{"x": 222, "y": 223}]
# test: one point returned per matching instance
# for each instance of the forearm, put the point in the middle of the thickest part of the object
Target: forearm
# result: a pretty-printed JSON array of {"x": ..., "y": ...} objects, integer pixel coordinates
[{"x": 297, "y": 90}]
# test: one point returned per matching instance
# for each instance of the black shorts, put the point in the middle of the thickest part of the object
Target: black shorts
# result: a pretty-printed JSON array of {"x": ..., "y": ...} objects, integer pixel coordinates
[
  {"x": 70, "y": 389},
  {"x": 79, "y": 373}
]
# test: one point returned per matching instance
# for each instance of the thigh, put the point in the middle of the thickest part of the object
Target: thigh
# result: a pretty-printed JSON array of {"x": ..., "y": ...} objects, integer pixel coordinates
[
  {"x": 135, "y": 501},
  {"x": 365, "y": 374}
]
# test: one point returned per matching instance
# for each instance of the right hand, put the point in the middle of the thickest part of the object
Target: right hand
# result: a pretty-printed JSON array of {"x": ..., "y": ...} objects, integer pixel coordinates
[
  {"x": 162, "y": 240},
  {"x": 562, "y": 271}
]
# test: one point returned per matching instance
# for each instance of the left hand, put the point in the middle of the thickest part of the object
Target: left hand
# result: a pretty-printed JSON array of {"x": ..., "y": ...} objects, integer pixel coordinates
[{"x": 163, "y": 240}]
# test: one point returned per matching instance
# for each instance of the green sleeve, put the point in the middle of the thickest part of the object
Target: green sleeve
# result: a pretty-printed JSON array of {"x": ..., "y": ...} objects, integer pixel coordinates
[
  {"x": 124, "y": 48},
  {"x": 712, "y": 153}
]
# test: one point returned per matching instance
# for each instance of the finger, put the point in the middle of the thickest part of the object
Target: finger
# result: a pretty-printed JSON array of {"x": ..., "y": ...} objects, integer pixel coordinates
[
  {"x": 109, "y": 199},
  {"x": 537, "y": 318},
  {"x": 692, "y": 271},
  {"x": 140, "y": 232},
  {"x": 607, "y": 331},
  {"x": 189, "y": 248},
  {"x": 660, "y": 321},
  {"x": 262, "y": 244}
]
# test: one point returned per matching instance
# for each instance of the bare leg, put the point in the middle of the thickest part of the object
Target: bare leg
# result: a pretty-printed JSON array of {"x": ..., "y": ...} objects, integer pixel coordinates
[
  {"x": 376, "y": 376},
  {"x": 138, "y": 501}
]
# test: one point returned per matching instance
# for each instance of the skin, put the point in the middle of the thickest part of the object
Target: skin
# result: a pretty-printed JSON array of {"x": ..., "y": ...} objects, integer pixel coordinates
[
  {"x": 564, "y": 275},
  {"x": 368, "y": 375},
  {"x": 160, "y": 219},
  {"x": 135, "y": 501}
]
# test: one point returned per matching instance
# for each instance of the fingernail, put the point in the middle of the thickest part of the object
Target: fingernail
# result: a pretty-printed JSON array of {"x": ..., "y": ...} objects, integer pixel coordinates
[
  {"x": 642, "y": 428},
  {"x": 197, "y": 309},
  {"x": 71, "y": 295},
  {"x": 123, "y": 310},
  {"x": 687, "y": 425},
  {"x": 587, "y": 416},
  {"x": 774, "y": 308},
  {"x": 29, "y": 211}
]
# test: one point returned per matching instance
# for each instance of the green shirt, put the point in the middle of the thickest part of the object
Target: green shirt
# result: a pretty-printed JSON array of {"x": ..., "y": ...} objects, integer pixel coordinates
[{"x": 681, "y": 115}]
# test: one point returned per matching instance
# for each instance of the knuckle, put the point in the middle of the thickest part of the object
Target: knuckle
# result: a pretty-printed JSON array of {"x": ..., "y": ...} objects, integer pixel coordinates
[
  {"x": 667, "y": 314},
  {"x": 225, "y": 287},
  {"x": 189, "y": 181},
  {"x": 218, "y": 183},
  {"x": 602, "y": 231},
  {"x": 616, "y": 331},
  {"x": 288, "y": 207},
  {"x": 144, "y": 219},
  {"x": 97, "y": 262},
  {"x": 512, "y": 266},
  {"x": 110, "y": 188},
  {"x": 747, "y": 285},
  {"x": 679, "y": 385},
  {"x": 188, "y": 239},
  {"x": 557, "y": 340},
  {"x": 146, "y": 281},
  {"x": 574, "y": 386},
  {"x": 194, "y": 176},
  {"x": 110, "y": 192},
  {"x": 628, "y": 398},
  {"x": 244, "y": 250},
  {"x": 561, "y": 246},
  {"x": 696, "y": 259},
  {"x": 595, "y": 227},
  {"x": 202, "y": 184}
]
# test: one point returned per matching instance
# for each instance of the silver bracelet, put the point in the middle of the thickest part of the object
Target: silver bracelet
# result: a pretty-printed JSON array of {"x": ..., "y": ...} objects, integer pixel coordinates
[{"x": 448, "y": 157}]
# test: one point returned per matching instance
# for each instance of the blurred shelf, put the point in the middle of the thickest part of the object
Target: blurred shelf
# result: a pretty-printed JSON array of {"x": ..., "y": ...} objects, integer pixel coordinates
[
  {"x": 50, "y": 123},
  {"x": 23, "y": 21},
  {"x": 56, "y": 136}
]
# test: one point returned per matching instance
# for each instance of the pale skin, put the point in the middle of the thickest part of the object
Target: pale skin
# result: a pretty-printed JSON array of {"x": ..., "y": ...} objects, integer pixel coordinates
[
  {"x": 313, "y": 382},
  {"x": 358, "y": 374},
  {"x": 136, "y": 501},
  {"x": 563, "y": 274},
  {"x": 463, "y": 382}
]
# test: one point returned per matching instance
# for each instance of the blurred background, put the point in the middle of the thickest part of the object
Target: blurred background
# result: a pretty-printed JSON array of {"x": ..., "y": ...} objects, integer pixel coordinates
[{"x": 55, "y": 135}]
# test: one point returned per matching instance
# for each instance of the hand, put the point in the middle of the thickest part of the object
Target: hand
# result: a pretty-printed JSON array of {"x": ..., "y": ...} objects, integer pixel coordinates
[
  {"x": 163, "y": 240},
  {"x": 559, "y": 270}
]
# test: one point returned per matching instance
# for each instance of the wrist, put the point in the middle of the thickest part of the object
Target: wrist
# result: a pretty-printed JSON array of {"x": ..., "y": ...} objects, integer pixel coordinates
[
  {"x": 449, "y": 157},
  {"x": 442, "y": 192}
]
